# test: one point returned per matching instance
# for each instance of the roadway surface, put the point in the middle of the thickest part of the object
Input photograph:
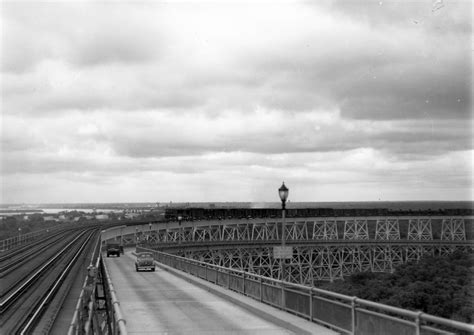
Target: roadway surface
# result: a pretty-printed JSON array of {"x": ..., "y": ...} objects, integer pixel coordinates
[{"x": 162, "y": 303}]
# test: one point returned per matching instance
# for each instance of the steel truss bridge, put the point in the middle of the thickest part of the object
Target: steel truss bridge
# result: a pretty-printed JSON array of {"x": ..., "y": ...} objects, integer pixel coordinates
[{"x": 323, "y": 248}]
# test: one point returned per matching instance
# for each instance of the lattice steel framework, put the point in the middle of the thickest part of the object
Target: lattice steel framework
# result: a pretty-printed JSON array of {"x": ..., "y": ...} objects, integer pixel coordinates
[
  {"x": 356, "y": 230},
  {"x": 453, "y": 229},
  {"x": 328, "y": 260},
  {"x": 387, "y": 229},
  {"x": 318, "y": 263},
  {"x": 325, "y": 230},
  {"x": 419, "y": 229}
]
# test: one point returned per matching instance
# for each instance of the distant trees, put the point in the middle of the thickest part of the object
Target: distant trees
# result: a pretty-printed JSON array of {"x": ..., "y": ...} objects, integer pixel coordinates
[{"x": 442, "y": 286}]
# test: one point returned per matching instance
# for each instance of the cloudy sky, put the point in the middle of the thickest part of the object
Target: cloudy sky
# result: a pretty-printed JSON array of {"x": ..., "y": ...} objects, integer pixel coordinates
[{"x": 223, "y": 100}]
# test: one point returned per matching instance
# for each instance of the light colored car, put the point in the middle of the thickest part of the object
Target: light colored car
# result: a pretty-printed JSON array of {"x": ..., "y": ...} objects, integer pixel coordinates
[{"x": 144, "y": 261}]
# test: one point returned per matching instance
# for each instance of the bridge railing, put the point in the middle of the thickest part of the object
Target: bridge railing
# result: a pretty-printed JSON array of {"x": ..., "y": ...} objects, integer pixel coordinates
[
  {"x": 98, "y": 309},
  {"x": 21, "y": 239},
  {"x": 349, "y": 315}
]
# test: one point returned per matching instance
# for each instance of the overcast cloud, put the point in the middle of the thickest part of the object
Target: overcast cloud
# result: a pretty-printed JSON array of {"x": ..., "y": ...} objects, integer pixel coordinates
[{"x": 221, "y": 101}]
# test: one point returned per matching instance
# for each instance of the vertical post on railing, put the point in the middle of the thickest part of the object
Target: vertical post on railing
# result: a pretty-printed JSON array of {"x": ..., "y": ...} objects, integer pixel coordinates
[
  {"x": 228, "y": 279},
  {"x": 417, "y": 323},
  {"x": 261, "y": 288},
  {"x": 311, "y": 304},
  {"x": 283, "y": 302},
  {"x": 353, "y": 315},
  {"x": 243, "y": 282}
]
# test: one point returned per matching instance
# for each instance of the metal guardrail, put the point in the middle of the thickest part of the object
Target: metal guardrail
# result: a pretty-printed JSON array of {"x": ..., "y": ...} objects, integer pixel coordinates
[
  {"x": 349, "y": 315},
  {"x": 21, "y": 239},
  {"x": 97, "y": 309},
  {"x": 117, "y": 321}
]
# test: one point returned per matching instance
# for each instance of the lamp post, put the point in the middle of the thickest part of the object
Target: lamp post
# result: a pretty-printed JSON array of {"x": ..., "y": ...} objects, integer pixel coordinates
[
  {"x": 19, "y": 234},
  {"x": 180, "y": 237},
  {"x": 283, "y": 193},
  {"x": 136, "y": 235}
]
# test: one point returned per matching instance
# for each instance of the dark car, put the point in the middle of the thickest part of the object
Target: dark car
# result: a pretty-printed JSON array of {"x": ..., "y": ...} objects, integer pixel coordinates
[
  {"x": 113, "y": 249},
  {"x": 145, "y": 261}
]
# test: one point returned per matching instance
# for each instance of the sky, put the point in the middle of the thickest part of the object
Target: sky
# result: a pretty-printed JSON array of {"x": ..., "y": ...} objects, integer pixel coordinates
[{"x": 196, "y": 101}]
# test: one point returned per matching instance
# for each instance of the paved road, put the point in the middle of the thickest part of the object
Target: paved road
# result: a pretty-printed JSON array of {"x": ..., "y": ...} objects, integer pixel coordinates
[{"x": 161, "y": 303}]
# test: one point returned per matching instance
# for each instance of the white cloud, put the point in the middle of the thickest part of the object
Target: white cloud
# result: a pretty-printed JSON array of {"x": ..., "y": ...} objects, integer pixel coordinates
[{"x": 346, "y": 101}]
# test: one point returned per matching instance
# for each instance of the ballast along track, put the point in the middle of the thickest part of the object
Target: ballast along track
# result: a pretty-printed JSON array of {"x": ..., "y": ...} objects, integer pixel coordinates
[
  {"x": 23, "y": 305},
  {"x": 19, "y": 257}
]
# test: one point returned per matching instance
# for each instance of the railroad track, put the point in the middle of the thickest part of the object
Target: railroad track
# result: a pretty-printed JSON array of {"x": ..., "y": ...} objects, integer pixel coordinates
[
  {"x": 20, "y": 257},
  {"x": 23, "y": 305},
  {"x": 18, "y": 251}
]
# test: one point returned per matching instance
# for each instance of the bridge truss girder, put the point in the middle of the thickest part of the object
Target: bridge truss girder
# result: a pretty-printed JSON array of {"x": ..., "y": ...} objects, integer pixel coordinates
[
  {"x": 452, "y": 229},
  {"x": 356, "y": 229},
  {"x": 318, "y": 263},
  {"x": 419, "y": 229},
  {"x": 387, "y": 229}
]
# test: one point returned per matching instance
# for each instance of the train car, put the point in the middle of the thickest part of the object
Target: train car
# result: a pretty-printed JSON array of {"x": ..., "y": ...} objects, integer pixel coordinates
[{"x": 190, "y": 214}]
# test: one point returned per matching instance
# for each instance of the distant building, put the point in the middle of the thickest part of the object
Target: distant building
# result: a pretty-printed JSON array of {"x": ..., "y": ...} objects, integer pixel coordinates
[
  {"x": 132, "y": 215},
  {"x": 102, "y": 217}
]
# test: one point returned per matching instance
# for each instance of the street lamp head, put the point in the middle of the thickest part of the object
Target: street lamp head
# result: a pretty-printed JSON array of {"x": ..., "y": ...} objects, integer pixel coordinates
[{"x": 283, "y": 192}]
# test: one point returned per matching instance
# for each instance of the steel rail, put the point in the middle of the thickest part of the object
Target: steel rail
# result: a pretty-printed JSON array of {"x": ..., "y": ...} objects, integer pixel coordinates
[
  {"x": 40, "y": 239},
  {"x": 17, "y": 242},
  {"x": 32, "y": 251},
  {"x": 12, "y": 297},
  {"x": 53, "y": 288}
]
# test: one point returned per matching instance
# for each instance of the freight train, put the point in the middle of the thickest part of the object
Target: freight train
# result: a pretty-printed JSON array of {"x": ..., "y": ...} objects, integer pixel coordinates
[{"x": 191, "y": 214}]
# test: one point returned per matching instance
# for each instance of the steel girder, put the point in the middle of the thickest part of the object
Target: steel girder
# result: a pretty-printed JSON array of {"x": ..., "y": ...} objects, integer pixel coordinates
[
  {"x": 387, "y": 229},
  {"x": 325, "y": 230},
  {"x": 419, "y": 229},
  {"x": 453, "y": 230},
  {"x": 318, "y": 263},
  {"x": 356, "y": 229}
]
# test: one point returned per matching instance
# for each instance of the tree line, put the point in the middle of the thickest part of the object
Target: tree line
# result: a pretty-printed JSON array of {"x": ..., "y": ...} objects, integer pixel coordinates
[{"x": 441, "y": 286}]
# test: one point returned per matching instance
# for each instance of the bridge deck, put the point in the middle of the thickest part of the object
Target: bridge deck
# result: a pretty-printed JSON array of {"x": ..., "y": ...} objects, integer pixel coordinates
[{"x": 161, "y": 303}]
